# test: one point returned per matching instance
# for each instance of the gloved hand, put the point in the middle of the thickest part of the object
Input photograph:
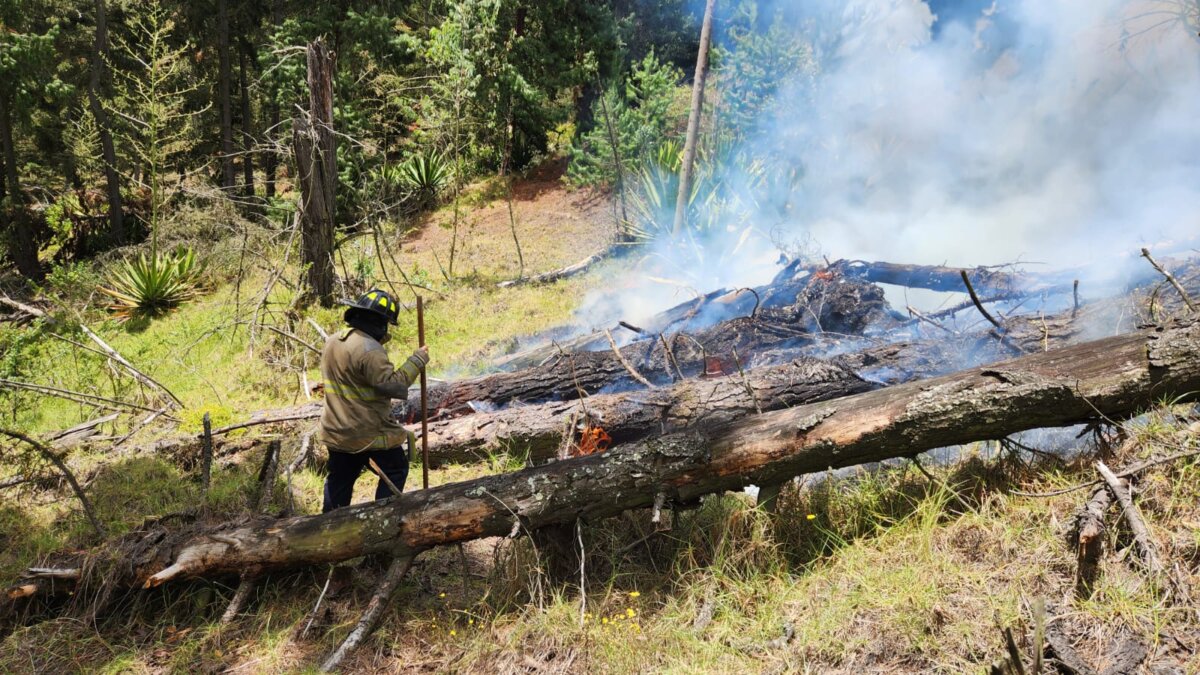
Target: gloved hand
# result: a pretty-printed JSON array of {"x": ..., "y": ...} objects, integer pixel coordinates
[{"x": 421, "y": 355}]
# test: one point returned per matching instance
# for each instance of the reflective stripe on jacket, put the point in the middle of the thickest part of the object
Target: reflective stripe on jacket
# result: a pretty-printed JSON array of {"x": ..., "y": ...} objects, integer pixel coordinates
[{"x": 360, "y": 383}]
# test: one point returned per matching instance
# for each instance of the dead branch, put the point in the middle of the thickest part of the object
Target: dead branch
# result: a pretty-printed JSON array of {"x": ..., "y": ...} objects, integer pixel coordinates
[
  {"x": 267, "y": 420},
  {"x": 303, "y": 343},
  {"x": 1124, "y": 473},
  {"x": 625, "y": 362},
  {"x": 316, "y": 326},
  {"x": 1002, "y": 331},
  {"x": 1147, "y": 550},
  {"x": 374, "y": 611},
  {"x": 265, "y": 483},
  {"x": 1171, "y": 279},
  {"x": 147, "y": 421},
  {"x": 81, "y": 430},
  {"x": 20, "y": 306},
  {"x": 137, "y": 374},
  {"x": 76, "y": 396},
  {"x": 1089, "y": 541},
  {"x": 206, "y": 457},
  {"x": 61, "y": 465},
  {"x": 561, "y": 273},
  {"x": 921, "y": 317},
  {"x": 1146, "y": 547}
]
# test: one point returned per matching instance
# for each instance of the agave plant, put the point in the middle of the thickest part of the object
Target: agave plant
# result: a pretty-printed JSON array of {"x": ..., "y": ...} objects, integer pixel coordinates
[
  {"x": 426, "y": 175},
  {"x": 150, "y": 286},
  {"x": 657, "y": 189}
]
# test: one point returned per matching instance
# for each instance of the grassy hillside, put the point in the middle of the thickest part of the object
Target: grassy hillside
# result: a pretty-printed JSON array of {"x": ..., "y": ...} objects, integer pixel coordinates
[
  {"x": 203, "y": 351},
  {"x": 888, "y": 570}
]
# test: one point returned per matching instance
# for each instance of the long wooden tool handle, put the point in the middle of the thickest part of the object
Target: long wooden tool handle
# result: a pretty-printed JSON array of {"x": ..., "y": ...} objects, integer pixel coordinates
[{"x": 424, "y": 399}]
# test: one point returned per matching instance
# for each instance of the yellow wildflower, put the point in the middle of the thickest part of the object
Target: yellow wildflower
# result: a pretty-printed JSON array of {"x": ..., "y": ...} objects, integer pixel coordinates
[
  {"x": 604, "y": 620},
  {"x": 811, "y": 516},
  {"x": 441, "y": 595},
  {"x": 629, "y": 612},
  {"x": 453, "y": 633},
  {"x": 634, "y": 594}
]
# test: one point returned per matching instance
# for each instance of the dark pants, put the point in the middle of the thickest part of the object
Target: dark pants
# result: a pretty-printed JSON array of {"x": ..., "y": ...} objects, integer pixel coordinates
[{"x": 345, "y": 467}]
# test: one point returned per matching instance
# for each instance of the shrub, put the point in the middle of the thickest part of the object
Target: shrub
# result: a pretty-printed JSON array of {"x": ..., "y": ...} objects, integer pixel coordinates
[{"x": 147, "y": 287}]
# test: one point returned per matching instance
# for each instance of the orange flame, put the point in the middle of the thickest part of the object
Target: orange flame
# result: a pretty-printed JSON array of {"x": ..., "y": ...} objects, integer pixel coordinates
[{"x": 593, "y": 440}]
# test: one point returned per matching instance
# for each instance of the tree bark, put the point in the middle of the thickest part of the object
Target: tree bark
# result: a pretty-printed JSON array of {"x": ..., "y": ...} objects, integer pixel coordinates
[
  {"x": 224, "y": 95},
  {"x": 316, "y": 163},
  {"x": 116, "y": 207},
  {"x": 1108, "y": 378},
  {"x": 693, "y": 127}
]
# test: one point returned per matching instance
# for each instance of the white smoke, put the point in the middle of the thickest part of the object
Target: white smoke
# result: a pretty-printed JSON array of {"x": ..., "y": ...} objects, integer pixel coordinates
[
  {"x": 1055, "y": 131},
  {"x": 1061, "y": 131}
]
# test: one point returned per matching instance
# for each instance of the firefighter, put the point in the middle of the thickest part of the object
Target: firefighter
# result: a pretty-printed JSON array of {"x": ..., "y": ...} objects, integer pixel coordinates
[{"x": 360, "y": 381}]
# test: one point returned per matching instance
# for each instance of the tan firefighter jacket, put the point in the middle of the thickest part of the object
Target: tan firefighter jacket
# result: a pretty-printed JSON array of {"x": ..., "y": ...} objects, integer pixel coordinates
[{"x": 360, "y": 382}]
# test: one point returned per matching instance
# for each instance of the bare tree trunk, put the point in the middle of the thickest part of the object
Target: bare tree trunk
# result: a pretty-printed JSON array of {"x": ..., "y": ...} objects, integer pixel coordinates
[
  {"x": 116, "y": 213},
  {"x": 271, "y": 160},
  {"x": 1107, "y": 378},
  {"x": 224, "y": 95},
  {"x": 23, "y": 245},
  {"x": 693, "y": 128},
  {"x": 247, "y": 123},
  {"x": 316, "y": 164}
]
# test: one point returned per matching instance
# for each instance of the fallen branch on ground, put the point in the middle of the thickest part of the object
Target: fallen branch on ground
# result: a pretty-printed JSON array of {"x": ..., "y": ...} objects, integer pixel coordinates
[{"x": 561, "y": 273}]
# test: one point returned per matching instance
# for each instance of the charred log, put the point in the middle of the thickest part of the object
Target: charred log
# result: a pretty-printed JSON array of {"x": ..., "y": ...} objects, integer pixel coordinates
[{"x": 541, "y": 431}]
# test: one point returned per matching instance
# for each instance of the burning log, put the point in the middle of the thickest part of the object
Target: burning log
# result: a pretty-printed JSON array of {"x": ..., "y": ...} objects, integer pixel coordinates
[
  {"x": 836, "y": 306},
  {"x": 539, "y": 430},
  {"x": 1108, "y": 378},
  {"x": 940, "y": 278}
]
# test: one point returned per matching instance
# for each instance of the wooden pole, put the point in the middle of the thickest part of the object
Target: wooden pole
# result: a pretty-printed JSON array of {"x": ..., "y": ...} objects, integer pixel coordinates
[{"x": 424, "y": 399}]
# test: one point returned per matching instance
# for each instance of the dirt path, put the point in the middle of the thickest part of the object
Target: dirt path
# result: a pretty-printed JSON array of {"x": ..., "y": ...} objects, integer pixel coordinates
[{"x": 556, "y": 224}]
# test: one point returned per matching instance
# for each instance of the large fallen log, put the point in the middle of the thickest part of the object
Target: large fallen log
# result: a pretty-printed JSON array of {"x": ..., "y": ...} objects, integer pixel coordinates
[
  {"x": 1107, "y": 378},
  {"x": 543, "y": 431}
]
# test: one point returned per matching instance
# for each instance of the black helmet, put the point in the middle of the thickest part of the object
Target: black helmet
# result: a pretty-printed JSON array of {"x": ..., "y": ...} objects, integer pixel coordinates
[{"x": 377, "y": 301}]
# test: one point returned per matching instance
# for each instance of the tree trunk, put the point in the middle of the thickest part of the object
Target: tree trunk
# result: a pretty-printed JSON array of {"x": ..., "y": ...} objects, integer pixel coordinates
[
  {"x": 224, "y": 95},
  {"x": 23, "y": 246},
  {"x": 247, "y": 124},
  {"x": 1109, "y": 378},
  {"x": 316, "y": 164},
  {"x": 271, "y": 159},
  {"x": 693, "y": 127},
  {"x": 116, "y": 207}
]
